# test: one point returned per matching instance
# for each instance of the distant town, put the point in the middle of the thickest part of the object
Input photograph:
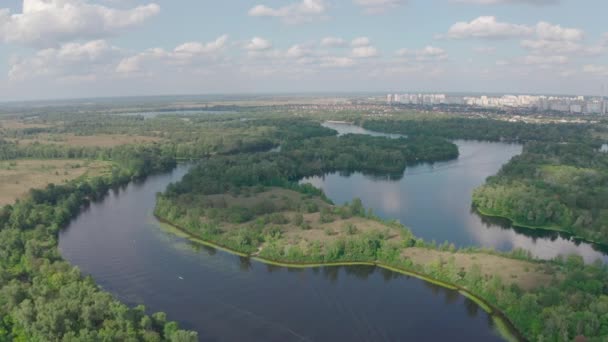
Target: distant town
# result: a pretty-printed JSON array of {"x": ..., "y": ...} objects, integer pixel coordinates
[{"x": 574, "y": 105}]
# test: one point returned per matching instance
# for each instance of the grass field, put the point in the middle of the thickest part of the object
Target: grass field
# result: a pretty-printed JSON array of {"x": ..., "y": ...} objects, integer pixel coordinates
[
  {"x": 17, "y": 177},
  {"x": 526, "y": 275},
  {"x": 20, "y": 124}
]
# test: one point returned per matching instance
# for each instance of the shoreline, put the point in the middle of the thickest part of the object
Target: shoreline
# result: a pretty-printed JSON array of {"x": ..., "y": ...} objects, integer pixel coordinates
[
  {"x": 516, "y": 224},
  {"x": 503, "y": 325}
]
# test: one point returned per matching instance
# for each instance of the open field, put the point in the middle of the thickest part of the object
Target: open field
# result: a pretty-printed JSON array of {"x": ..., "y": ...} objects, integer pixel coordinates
[
  {"x": 283, "y": 200},
  {"x": 100, "y": 140},
  {"x": 20, "y": 124},
  {"x": 525, "y": 274},
  {"x": 17, "y": 177}
]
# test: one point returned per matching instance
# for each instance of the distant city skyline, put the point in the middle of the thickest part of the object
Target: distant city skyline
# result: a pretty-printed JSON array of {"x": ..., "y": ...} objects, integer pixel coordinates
[{"x": 103, "y": 48}]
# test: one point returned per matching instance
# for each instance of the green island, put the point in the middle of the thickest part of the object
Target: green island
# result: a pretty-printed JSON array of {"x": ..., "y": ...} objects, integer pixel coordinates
[
  {"x": 249, "y": 201},
  {"x": 560, "y": 187}
]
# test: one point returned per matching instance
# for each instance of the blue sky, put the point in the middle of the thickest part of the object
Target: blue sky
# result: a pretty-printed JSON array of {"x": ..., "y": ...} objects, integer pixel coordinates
[{"x": 88, "y": 48}]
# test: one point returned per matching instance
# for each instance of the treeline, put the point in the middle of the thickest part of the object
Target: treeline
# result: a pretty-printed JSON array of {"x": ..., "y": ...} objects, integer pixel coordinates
[
  {"x": 42, "y": 297},
  {"x": 482, "y": 129},
  {"x": 552, "y": 186},
  {"x": 316, "y": 156}
]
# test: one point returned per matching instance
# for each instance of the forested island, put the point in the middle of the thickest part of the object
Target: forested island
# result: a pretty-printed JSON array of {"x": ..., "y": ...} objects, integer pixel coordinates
[
  {"x": 244, "y": 195},
  {"x": 561, "y": 187}
]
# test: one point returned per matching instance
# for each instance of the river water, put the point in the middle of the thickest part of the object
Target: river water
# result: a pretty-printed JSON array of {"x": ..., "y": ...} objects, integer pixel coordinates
[
  {"x": 434, "y": 200},
  {"x": 228, "y": 298}
]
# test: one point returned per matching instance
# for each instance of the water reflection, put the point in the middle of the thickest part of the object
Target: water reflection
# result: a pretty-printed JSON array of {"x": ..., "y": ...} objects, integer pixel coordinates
[
  {"x": 230, "y": 298},
  {"x": 434, "y": 200}
]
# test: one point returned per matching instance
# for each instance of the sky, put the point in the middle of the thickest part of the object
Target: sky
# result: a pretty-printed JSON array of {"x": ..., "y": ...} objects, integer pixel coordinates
[{"x": 99, "y": 48}]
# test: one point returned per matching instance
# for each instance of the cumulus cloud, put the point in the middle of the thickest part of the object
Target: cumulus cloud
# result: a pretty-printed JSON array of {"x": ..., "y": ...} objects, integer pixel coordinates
[
  {"x": 189, "y": 53},
  {"x": 597, "y": 70},
  {"x": 507, "y": 2},
  {"x": 361, "y": 41},
  {"x": 300, "y": 12},
  {"x": 362, "y": 48},
  {"x": 74, "y": 60},
  {"x": 547, "y": 31},
  {"x": 487, "y": 27},
  {"x": 365, "y": 52},
  {"x": 428, "y": 53},
  {"x": 333, "y": 42},
  {"x": 258, "y": 44},
  {"x": 378, "y": 6},
  {"x": 48, "y": 23},
  {"x": 336, "y": 62}
]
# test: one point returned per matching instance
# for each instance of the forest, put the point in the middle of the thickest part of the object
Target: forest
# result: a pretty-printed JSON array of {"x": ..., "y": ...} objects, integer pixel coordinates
[
  {"x": 483, "y": 129},
  {"x": 552, "y": 186},
  {"x": 315, "y": 156},
  {"x": 42, "y": 297}
]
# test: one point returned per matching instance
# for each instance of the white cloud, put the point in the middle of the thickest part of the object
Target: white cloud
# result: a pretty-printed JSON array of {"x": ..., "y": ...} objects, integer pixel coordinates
[
  {"x": 428, "y": 53},
  {"x": 187, "y": 54},
  {"x": 73, "y": 60},
  {"x": 487, "y": 27},
  {"x": 550, "y": 47},
  {"x": 49, "y": 23},
  {"x": 378, "y": 6},
  {"x": 501, "y": 2},
  {"x": 365, "y": 52},
  {"x": 297, "y": 51},
  {"x": 258, "y": 44},
  {"x": 336, "y": 62},
  {"x": 361, "y": 41},
  {"x": 597, "y": 70},
  {"x": 544, "y": 60},
  {"x": 300, "y": 12},
  {"x": 333, "y": 42},
  {"x": 547, "y": 31}
]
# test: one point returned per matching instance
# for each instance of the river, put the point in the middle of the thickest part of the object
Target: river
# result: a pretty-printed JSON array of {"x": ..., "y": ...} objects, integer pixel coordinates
[
  {"x": 228, "y": 298},
  {"x": 434, "y": 200}
]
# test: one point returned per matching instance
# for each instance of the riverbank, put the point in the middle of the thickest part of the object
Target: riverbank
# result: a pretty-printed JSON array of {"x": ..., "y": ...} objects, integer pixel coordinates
[
  {"x": 502, "y": 323},
  {"x": 555, "y": 229}
]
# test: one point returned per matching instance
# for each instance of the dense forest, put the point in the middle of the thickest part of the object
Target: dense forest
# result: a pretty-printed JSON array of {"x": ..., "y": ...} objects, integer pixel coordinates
[
  {"x": 554, "y": 186},
  {"x": 315, "y": 156},
  {"x": 42, "y": 297},
  {"x": 483, "y": 129}
]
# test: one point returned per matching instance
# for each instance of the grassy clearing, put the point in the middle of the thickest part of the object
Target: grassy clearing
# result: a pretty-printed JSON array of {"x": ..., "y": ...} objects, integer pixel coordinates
[
  {"x": 20, "y": 124},
  {"x": 526, "y": 275},
  {"x": 17, "y": 177},
  {"x": 100, "y": 140}
]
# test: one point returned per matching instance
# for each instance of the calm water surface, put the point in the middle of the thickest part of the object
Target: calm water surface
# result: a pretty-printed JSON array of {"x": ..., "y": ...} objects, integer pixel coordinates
[
  {"x": 228, "y": 298},
  {"x": 435, "y": 200}
]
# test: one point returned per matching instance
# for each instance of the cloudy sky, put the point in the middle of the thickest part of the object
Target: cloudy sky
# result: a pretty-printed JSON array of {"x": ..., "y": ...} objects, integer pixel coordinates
[{"x": 90, "y": 48}]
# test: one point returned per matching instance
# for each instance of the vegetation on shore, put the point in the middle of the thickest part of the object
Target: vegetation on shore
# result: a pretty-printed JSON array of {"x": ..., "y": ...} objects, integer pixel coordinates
[
  {"x": 561, "y": 187},
  {"x": 42, "y": 297}
]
